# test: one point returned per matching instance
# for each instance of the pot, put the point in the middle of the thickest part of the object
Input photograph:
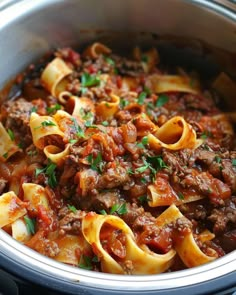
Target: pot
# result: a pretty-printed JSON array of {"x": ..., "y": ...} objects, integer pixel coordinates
[{"x": 30, "y": 28}]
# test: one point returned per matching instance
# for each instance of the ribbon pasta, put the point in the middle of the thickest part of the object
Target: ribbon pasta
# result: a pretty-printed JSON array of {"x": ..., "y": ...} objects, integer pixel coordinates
[
  {"x": 54, "y": 76},
  {"x": 144, "y": 261},
  {"x": 175, "y": 134}
]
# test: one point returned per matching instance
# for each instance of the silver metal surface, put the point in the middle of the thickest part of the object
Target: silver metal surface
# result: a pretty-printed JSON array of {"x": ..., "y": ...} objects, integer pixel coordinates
[{"x": 29, "y": 28}]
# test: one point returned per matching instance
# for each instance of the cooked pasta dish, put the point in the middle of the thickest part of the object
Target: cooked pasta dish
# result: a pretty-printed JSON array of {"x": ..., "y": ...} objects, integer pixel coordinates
[{"x": 118, "y": 164}]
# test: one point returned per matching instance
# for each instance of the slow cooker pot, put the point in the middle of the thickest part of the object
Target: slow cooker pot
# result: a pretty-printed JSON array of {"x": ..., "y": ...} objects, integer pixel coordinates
[{"x": 30, "y": 28}]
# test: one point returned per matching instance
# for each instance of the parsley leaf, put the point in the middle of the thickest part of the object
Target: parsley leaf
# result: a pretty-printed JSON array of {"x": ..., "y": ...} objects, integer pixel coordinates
[
  {"x": 143, "y": 142},
  {"x": 85, "y": 262},
  {"x": 147, "y": 90},
  {"x": 144, "y": 58},
  {"x": 103, "y": 212},
  {"x": 109, "y": 60},
  {"x": 88, "y": 80},
  {"x": 11, "y": 134},
  {"x": 79, "y": 131},
  {"x": 95, "y": 164},
  {"x": 234, "y": 162},
  {"x": 34, "y": 109},
  {"x": 5, "y": 155},
  {"x": 162, "y": 99},
  {"x": 54, "y": 108},
  {"x": 142, "y": 97},
  {"x": 206, "y": 134},
  {"x": 143, "y": 199},
  {"x": 30, "y": 225},
  {"x": 49, "y": 171},
  {"x": 105, "y": 123},
  {"x": 72, "y": 208},
  {"x": 123, "y": 103},
  {"x": 45, "y": 124},
  {"x": 119, "y": 209},
  {"x": 217, "y": 159},
  {"x": 180, "y": 196}
]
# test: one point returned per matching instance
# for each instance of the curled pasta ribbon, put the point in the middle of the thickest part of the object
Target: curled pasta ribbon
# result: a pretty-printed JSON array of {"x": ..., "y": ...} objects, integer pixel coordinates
[
  {"x": 151, "y": 58},
  {"x": 11, "y": 208},
  {"x": 95, "y": 50},
  {"x": 69, "y": 246},
  {"x": 175, "y": 134},
  {"x": 40, "y": 129},
  {"x": 53, "y": 77},
  {"x": 55, "y": 154},
  {"x": 172, "y": 83},
  {"x": 81, "y": 107},
  {"x": 107, "y": 109},
  {"x": 161, "y": 194},
  {"x": 7, "y": 146},
  {"x": 36, "y": 195},
  {"x": 144, "y": 261},
  {"x": 186, "y": 246}
]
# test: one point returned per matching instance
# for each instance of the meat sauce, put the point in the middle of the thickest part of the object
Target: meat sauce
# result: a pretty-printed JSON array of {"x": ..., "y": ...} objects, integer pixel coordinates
[{"x": 109, "y": 173}]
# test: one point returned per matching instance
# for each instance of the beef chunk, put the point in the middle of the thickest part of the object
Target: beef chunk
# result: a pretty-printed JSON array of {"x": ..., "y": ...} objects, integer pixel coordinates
[
  {"x": 16, "y": 115},
  {"x": 221, "y": 217},
  {"x": 70, "y": 222},
  {"x": 113, "y": 177}
]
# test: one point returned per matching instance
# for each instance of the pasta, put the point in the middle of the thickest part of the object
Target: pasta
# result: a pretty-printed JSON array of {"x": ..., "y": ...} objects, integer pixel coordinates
[{"x": 118, "y": 165}]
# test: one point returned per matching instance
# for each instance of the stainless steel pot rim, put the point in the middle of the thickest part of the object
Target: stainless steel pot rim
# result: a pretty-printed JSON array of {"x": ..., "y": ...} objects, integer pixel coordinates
[
  {"x": 33, "y": 260},
  {"x": 22, "y": 7}
]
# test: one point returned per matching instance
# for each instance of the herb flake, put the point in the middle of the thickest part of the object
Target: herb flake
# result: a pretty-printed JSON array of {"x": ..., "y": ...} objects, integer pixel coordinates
[{"x": 162, "y": 99}]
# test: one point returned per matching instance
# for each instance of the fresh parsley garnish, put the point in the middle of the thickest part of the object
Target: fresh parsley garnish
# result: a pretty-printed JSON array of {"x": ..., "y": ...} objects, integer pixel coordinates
[
  {"x": 72, "y": 208},
  {"x": 180, "y": 196},
  {"x": 30, "y": 225},
  {"x": 141, "y": 98},
  {"x": 103, "y": 212},
  {"x": 46, "y": 123},
  {"x": 90, "y": 125},
  {"x": 217, "y": 159},
  {"x": 85, "y": 115},
  {"x": 95, "y": 164},
  {"x": 85, "y": 262},
  {"x": 206, "y": 134},
  {"x": 5, "y": 155},
  {"x": 88, "y": 80},
  {"x": 109, "y": 60},
  {"x": 119, "y": 209},
  {"x": 79, "y": 131},
  {"x": 144, "y": 58},
  {"x": 162, "y": 99},
  {"x": 147, "y": 90},
  {"x": 34, "y": 109},
  {"x": 143, "y": 199},
  {"x": 123, "y": 103},
  {"x": 54, "y": 108},
  {"x": 105, "y": 123},
  {"x": 234, "y": 162},
  {"x": 143, "y": 142},
  {"x": 11, "y": 134},
  {"x": 49, "y": 171}
]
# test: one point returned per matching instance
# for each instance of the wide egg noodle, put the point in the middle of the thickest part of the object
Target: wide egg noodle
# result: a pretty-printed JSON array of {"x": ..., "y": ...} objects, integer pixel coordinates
[
  {"x": 175, "y": 134},
  {"x": 54, "y": 74},
  {"x": 11, "y": 208},
  {"x": 39, "y": 131},
  {"x": 144, "y": 262}
]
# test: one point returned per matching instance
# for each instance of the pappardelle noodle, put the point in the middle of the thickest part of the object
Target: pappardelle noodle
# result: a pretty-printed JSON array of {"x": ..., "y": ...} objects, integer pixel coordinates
[{"x": 117, "y": 164}]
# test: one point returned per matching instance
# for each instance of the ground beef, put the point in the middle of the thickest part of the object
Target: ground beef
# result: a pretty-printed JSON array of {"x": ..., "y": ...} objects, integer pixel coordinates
[
  {"x": 16, "y": 115},
  {"x": 221, "y": 217},
  {"x": 70, "y": 222},
  {"x": 113, "y": 177},
  {"x": 105, "y": 200}
]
